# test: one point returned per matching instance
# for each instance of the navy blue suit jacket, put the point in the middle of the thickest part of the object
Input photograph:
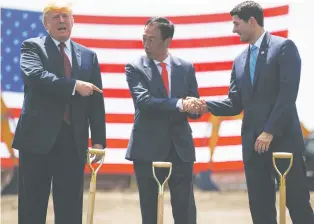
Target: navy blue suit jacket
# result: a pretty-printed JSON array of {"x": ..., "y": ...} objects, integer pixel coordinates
[
  {"x": 269, "y": 104},
  {"x": 158, "y": 123},
  {"x": 47, "y": 91}
]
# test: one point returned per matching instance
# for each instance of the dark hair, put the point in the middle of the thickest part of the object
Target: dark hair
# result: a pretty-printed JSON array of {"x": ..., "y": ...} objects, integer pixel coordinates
[
  {"x": 165, "y": 26},
  {"x": 248, "y": 9}
]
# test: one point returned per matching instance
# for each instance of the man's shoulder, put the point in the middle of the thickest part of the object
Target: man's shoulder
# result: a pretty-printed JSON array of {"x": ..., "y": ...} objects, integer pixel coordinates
[
  {"x": 82, "y": 48},
  {"x": 277, "y": 40},
  {"x": 242, "y": 55},
  {"x": 139, "y": 61},
  {"x": 143, "y": 61},
  {"x": 181, "y": 61},
  {"x": 35, "y": 40}
]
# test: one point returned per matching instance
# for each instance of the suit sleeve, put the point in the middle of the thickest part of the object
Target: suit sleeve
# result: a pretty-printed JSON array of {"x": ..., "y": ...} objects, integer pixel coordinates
[
  {"x": 35, "y": 76},
  {"x": 232, "y": 105},
  {"x": 141, "y": 95},
  {"x": 97, "y": 108},
  {"x": 193, "y": 91},
  {"x": 289, "y": 63}
]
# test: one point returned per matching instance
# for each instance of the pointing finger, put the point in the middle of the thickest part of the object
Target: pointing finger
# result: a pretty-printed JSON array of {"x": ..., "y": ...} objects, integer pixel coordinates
[{"x": 95, "y": 88}]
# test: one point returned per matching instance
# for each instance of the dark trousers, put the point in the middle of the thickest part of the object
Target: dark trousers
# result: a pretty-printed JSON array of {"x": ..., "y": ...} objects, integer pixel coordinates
[
  {"x": 192, "y": 208},
  {"x": 180, "y": 185},
  {"x": 62, "y": 168},
  {"x": 260, "y": 177}
]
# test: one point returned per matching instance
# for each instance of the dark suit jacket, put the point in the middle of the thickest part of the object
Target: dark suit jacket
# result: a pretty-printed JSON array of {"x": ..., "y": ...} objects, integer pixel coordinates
[
  {"x": 158, "y": 122},
  {"x": 268, "y": 105},
  {"x": 47, "y": 91}
]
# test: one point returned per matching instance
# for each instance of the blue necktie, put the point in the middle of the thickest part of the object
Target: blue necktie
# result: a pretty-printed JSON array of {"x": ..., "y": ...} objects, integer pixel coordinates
[{"x": 253, "y": 56}]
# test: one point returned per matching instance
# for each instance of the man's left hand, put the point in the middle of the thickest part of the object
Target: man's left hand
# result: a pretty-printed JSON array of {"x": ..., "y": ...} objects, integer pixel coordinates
[
  {"x": 262, "y": 142},
  {"x": 194, "y": 105},
  {"x": 96, "y": 158}
]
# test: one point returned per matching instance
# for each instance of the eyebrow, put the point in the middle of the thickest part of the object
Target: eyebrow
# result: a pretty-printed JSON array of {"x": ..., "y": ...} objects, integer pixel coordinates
[{"x": 148, "y": 36}]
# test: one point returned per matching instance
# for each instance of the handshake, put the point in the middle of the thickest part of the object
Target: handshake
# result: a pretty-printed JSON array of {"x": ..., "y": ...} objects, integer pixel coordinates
[{"x": 194, "y": 105}]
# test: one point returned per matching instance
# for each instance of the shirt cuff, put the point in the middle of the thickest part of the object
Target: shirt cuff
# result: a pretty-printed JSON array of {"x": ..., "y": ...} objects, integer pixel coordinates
[
  {"x": 74, "y": 89},
  {"x": 179, "y": 105}
]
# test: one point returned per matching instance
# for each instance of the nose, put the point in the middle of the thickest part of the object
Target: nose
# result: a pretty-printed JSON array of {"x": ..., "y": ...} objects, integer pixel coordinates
[{"x": 61, "y": 19}]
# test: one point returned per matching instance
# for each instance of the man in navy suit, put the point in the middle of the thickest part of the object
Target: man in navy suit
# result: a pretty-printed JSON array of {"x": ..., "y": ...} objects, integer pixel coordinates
[
  {"x": 62, "y": 99},
  {"x": 264, "y": 84},
  {"x": 159, "y": 83}
]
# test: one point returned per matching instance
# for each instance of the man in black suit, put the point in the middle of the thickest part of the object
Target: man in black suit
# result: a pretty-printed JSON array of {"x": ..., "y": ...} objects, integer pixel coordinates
[
  {"x": 158, "y": 83},
  {"x": 264, "y": 84},
  {"x": 62, "y": 100}
]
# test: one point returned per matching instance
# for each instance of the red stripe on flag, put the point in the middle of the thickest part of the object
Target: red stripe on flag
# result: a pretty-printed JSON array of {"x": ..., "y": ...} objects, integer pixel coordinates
[
  {"x": 198, "y": 142},
  {"x": 115, "y": 118},
  {"x": 209, "y": 18},
  {"x": 129, "y": 118},
  {"x": 124, "y": 118},
  {"x": 233, "y": 166},
  {"x": 7, "y": 163},
  {"x": 182, "y": 43},
  {"x": 199, "y": 67},
  {"x": 205, "y": 91}
]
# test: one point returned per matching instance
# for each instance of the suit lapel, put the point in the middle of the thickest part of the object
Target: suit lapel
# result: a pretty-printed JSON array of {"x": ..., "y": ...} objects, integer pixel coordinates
[
  {"x": 76, "y": 60},
  {"x": 261, "y": 59},
  {"x": 55, "y": 56},
  {"x": 175, "y": 76},
  {"x": 153, "y": 75}
]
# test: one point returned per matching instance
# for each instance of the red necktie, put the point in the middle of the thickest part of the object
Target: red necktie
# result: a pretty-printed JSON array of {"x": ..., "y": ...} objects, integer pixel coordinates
[
  {"x": 67, "y": 73},
  {"x": 164, "y": 76}
]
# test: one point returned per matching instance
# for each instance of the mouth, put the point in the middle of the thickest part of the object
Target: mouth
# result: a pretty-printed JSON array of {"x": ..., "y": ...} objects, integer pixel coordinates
[{"x": 62, "y": 29}]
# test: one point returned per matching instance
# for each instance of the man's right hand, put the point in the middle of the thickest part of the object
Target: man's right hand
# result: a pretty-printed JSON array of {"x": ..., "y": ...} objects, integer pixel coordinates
[
  {"x": 194, "y": 105},
  {"x": 86, "y": 88}
]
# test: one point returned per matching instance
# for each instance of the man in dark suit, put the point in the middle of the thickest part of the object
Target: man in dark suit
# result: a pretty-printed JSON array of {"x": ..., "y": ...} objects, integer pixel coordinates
[
  {"x": 159, "y": 82},
  {"x": 62, "y": 99},
  {"x": 264, "y": 84}
]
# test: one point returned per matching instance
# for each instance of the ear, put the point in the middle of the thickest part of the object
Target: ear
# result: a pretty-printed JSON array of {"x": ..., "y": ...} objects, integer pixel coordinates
[{"x": 252, "y": 21}]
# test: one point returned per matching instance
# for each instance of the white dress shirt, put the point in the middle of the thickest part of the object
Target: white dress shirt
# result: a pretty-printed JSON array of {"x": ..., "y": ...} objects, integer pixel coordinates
[
  {"x": 67, "y": 48},
  {"x": 258, "y": 43}
]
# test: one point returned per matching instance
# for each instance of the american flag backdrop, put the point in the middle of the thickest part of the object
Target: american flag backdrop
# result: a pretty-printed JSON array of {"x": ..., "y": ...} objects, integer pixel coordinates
[{"x": 206, "y": 40}]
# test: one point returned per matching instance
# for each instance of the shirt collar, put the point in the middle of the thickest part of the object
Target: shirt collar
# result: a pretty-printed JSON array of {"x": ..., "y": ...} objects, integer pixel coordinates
[
  {"x": 67, "y": 43},
  {"x": 258, "y": 43},
  {"x": 167, "y": 61}
]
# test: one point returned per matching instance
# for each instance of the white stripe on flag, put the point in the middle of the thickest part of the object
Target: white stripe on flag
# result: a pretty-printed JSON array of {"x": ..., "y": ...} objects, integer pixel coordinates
[
  {"x": 193, "y": 55},
  {"x": 204, "y": 79},
  {"x": 182, "y": 31}
]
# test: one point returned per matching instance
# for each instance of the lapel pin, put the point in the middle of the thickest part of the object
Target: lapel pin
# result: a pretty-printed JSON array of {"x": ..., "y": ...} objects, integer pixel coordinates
[{"x": 262, "y": 52}]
